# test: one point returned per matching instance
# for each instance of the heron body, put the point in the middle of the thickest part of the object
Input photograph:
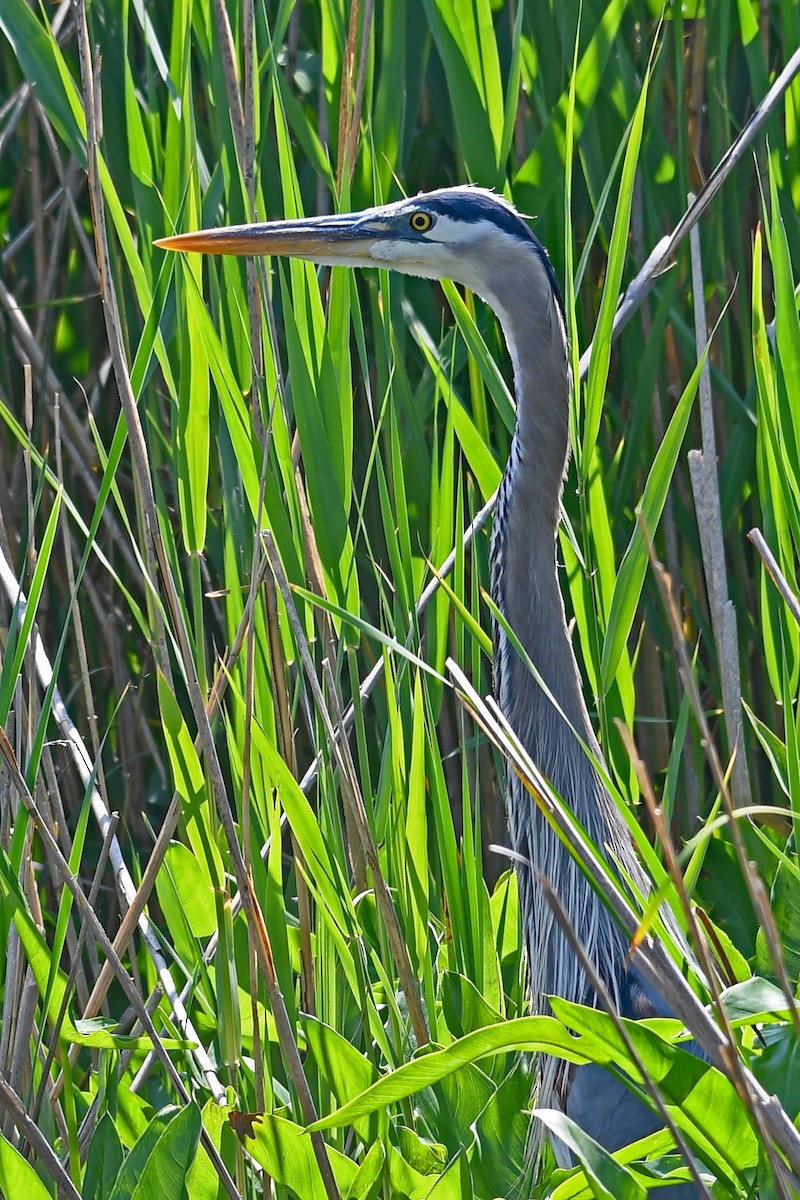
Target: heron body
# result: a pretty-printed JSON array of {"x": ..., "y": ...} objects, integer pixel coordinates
[{"x": 477, "y": 239}]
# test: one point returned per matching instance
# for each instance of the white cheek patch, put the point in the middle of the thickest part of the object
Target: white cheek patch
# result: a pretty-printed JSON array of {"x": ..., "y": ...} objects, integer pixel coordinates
[
  {"x": 428, "y": 258},
  {"x": 388, "y": 252},
  {"x": 451, "y": 233}
]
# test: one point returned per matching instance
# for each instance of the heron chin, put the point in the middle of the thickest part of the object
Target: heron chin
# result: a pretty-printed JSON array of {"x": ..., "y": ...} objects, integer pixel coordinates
[{"x": 477, "y": 239}]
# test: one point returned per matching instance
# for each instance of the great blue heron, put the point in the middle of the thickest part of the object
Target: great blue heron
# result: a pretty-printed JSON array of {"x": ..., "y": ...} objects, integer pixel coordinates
[{"x": 477, "y": 239}]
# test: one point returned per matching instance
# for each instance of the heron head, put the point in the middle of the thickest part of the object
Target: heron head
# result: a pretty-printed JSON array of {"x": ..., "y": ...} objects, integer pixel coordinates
[{"x": 466, "y": 234}]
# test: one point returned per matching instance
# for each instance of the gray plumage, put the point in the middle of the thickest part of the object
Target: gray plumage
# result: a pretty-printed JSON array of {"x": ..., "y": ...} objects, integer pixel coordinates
[{"x": 477, "y": 239}]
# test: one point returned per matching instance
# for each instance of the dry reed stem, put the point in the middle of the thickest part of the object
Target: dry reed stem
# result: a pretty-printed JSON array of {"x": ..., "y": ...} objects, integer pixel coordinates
[
  {"x": 88, "y": 915},
  {"x": 698, "y": 940},
  {"x": 353, "y": 798},
  {"x": 154, "y": 544},
  {"x": 662, "y": 253},
  {"x": 649, "y": 957},
  {"x": 17, "y": 1111},
  {"x": 606, "y": 1001},
  {"x": 122, "y": 877},
  {"x": 705, "y": 485},
  {"x": 228, "y": 55},
  {"x": 775, "y": 573}
]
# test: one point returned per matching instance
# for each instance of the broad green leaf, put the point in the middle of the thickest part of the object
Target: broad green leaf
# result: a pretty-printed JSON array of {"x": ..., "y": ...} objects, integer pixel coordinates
[
  {"x": 452, "y": 1106},
  {"x": 285, "y": 1151},
  {"x": 464, "y": 1007},
  {"x": 785, "y": 901},
  {"x": 370, "y": 1172},
  {"x": 103, "y": 1162},
  {"x": 690, "y": 1087},
  {"x": 777, "y": 1068},
  {"x": 753, "y": 1001},
  {"x": 501, "y": 1156},
  {"x": 406, "y": 1177},
  {"x": 202, "y": 1180},
  {"x": 540, "y": 1034},
  {"x": 609, "y": 1180},
  {"x": 164, "y": 1174},
  {"x": 455, "y": 1181},
  {"x": 133, "y": 1114},
  {"x": 158, "y": 1164},
  {"x": 345, "y": 1070},
  {"x": 186, "y": 898},
  {"x": 17, "y": 1177}
]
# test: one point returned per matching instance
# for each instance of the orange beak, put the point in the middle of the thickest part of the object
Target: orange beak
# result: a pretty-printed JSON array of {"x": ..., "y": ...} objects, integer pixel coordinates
[{"x": 347, "y": 239}]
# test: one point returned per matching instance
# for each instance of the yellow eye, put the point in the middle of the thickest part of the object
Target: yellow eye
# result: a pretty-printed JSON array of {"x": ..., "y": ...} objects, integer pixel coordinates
[{"x": 421, "y": 221}]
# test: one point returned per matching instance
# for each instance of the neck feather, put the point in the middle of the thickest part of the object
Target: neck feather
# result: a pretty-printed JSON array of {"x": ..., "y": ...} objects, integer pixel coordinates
[
  {"x": 525, "y": 529},
  {"x": 525, "y": 588}
]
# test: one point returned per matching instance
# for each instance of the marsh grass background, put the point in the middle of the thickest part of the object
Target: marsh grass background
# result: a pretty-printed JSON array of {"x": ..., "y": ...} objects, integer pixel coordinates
[{"x": 225, "y": 490}]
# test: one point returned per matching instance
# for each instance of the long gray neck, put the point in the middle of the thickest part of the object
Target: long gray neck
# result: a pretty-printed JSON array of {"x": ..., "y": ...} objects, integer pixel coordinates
[
  {"x": 525, "y": 588},
  {"x": 525, "y": 528}
]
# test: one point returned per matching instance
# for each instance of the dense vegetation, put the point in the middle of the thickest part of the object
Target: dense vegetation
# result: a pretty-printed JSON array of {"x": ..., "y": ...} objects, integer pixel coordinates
[{"x": 225, "y": 489}]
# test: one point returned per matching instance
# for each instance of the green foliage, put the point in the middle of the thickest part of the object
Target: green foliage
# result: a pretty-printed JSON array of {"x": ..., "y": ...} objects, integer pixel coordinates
[
  {"x": 364, "y": 422},
  {"x": 159, "y": 1161},
  {"x": 17, "y": 1177}
]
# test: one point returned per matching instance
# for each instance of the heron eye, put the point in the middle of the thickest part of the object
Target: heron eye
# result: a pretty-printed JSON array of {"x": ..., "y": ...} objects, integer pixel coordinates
[{"x": 421, "y": 221}]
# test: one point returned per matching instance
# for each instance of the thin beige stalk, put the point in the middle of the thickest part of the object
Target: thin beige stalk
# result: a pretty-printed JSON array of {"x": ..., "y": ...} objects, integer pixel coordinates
[
  {"x": 17, "y": 1111},
  {"x": 352, "y": 796},
  {"x": 775, "y": 573},
  {"x": 705, "y": 485},
  {"x": 95, "y": 927},
  {"x": 698, "y": 939},
  {"x": 747, "y": 867},
  {"x": 154, "y": 542},
  {"x": 228, "y": 55},
  {"x": 606, "y": 1001},
  {"x": 648, "y": 955},
  {"x": 85, "y": 767}
]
